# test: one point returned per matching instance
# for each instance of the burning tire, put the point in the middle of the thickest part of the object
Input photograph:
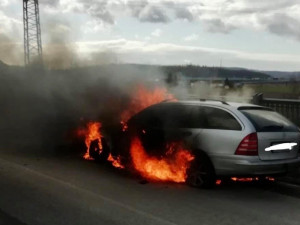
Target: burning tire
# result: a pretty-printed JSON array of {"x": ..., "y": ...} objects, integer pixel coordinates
[
  {"x": 99, "y": 155},
  {"x": 201, "y": 173}
]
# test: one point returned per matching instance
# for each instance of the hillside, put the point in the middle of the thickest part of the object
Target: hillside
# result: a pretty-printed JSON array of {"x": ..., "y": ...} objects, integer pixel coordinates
[
  {"x": 282, "y": 74},
  {"x": 198, "y": 71},
  {"x": 150, "y": 71}
]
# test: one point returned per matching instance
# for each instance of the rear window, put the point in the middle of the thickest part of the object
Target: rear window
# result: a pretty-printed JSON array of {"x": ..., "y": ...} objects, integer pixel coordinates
[{"x": 269, "y": 121}]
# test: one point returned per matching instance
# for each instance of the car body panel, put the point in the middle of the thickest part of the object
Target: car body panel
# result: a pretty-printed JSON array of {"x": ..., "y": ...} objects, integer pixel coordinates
[
  {"x": 267, "y": 139},
  {"x": 252, "y": 165},
  {"x": 220, "y": 142}
]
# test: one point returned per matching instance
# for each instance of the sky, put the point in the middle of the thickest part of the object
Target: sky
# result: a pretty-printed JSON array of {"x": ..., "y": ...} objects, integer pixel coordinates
[{"x": 253, "y": 34}]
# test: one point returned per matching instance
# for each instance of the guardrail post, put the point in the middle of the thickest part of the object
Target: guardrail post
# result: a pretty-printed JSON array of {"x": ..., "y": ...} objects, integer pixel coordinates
[{"x": 257, "y": 98}]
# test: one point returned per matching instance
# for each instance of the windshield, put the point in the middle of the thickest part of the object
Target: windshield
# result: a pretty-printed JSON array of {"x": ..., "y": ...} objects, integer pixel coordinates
[{"x": 269, "y": 121}]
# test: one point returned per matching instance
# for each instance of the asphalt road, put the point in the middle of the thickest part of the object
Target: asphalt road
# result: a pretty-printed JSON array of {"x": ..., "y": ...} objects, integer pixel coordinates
[{"x": 37, "y": 189}]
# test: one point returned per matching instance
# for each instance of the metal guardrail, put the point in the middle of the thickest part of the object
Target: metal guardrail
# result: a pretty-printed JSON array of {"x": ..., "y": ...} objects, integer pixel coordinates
[{"x": 288, "y": 107}]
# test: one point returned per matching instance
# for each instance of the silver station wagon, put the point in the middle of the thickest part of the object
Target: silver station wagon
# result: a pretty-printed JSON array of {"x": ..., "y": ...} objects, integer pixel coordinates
[{"x": 227, "y": 139}]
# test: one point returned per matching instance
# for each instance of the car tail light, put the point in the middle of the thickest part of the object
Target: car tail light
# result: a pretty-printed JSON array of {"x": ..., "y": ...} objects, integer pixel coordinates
[{"x": 248, "y": 146}]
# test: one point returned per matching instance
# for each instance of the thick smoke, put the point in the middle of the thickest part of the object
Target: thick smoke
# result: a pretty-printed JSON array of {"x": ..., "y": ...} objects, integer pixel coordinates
[
  {"x": 10, "y": 51},
  {"x": 204, "y": 90},
  {"x": 41, "y": 108},
  {"x": 59, "y": 53}
]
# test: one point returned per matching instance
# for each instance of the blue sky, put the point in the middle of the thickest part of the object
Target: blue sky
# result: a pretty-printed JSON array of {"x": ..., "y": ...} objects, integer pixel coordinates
[{"x": 254, "y": 34}]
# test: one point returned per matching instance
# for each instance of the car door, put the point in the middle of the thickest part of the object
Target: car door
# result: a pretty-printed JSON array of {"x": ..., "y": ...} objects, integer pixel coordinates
[
  {"x": 182, "y": 122},
  {"x": 148, "y": 127},
  {"x": 168, "y": 123},
  {"x": 179, "y": 123}
]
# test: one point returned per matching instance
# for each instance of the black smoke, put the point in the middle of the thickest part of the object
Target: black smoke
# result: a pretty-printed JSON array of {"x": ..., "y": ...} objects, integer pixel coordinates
[{"x": 43, "y": 108}]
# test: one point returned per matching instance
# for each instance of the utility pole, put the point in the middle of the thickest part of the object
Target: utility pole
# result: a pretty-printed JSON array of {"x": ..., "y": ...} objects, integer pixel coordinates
[{"x": 32, "y": 32}]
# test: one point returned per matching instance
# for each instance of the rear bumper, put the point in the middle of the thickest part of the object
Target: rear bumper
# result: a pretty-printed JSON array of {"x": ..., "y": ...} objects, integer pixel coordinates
[{"x": 252, "y": 165}]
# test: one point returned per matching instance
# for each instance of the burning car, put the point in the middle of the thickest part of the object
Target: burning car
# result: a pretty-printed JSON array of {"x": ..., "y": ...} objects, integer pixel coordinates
[{"x": 197, "y": 141}]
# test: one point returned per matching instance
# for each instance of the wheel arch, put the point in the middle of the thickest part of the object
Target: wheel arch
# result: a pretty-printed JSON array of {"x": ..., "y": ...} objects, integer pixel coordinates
[{"x": 202, "y": 155}]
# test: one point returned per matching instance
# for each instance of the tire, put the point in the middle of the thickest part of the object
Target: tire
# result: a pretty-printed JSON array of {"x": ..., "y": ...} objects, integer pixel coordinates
[
  {"x": 201, "y": 173},
  {"x": 96, "y": 154}
]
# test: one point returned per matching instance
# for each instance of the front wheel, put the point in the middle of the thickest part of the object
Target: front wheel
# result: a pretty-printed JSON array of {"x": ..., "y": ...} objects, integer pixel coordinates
[
  {"x": 201, "y": 173},
  {"x": 99, "y": 155}
]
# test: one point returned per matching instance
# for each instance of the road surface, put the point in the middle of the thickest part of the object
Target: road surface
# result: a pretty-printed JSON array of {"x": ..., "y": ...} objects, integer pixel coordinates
[{"x": 39, "y": 189}]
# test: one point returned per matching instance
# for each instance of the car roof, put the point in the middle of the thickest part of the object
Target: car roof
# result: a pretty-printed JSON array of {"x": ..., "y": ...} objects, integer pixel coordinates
[{"x": 224, "y": 104}]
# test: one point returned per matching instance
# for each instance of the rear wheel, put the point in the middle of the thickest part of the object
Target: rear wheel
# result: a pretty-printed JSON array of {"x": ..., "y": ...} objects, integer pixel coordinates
[
  {"x": 201, "y": 173},
  {"x": 99, "y": 155}
]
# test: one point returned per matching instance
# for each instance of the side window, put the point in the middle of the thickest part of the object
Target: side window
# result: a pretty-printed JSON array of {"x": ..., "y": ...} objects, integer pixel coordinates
[
  {"x": 176, "y": 116},
  {"x": 198, "y": 117},
  {"x": 150, "y": 118},
  {"x": 215, "y": 118},
  {"x": 182, "y": 116}
]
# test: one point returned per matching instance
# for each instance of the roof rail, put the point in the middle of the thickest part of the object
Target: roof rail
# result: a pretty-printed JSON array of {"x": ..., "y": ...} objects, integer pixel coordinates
[{"x": 223, "y": 102}]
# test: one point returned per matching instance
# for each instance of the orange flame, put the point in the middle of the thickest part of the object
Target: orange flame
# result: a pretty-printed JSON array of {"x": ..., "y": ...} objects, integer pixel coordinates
[
  {"x": 244, "y": 179},
  {"x": 218, "y": 182},
  {"x": 124, "y": 126},
  {"x": 249, "y": 179},
  {"x": 92, "y": 133},
  {"x": 143, "y": 98},
  {"x": 115, "y": 162},
  {"x": 171, "y": 168},
  {"x": 270, "y": 178}
]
